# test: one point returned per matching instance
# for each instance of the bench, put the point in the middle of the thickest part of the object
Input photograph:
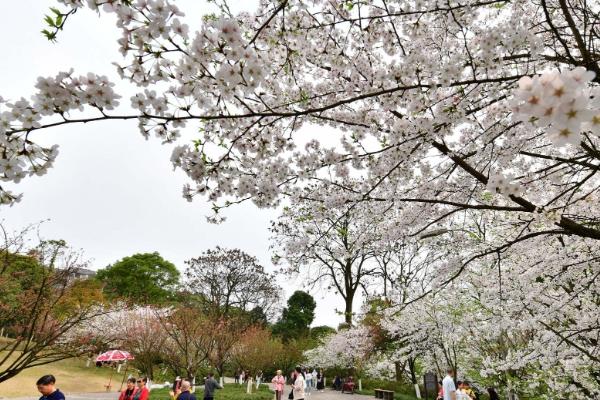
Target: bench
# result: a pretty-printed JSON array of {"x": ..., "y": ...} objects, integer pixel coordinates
[{"x": 384, "y": 394}]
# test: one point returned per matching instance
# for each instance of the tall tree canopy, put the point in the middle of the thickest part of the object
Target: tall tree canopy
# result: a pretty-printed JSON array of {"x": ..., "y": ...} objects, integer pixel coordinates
[
  {"x": 230, "y": 281},
  {"x": 330, "y": 246},
  {"x": 296, "y": 317},
  {"x": 144, "y": 278}
]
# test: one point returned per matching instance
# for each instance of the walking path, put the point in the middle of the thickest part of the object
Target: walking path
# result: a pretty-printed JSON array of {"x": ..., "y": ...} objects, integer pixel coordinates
[
  {"x": 326, "y": 395},
  {"x": 335, "y": 395},
  {"x": 81, "y": 396}
]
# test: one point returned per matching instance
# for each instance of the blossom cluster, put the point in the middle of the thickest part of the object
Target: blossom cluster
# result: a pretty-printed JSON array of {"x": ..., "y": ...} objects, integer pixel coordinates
[
  {"x": 348, "y": 348},
  {"x": 561, "y": 101},
  {"x": 499, "y": 183}
]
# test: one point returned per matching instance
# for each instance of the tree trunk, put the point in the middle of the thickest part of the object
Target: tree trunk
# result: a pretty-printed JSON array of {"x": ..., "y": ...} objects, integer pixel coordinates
[
  {"x": 412, "y": 369},
  {"x": 398, "y": 370},
  {"x": 349, "y": 300},
  {"x": 348, "y": 310}
]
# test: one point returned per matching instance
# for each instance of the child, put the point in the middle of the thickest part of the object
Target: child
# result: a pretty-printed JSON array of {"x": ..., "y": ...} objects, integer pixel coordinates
[{"x": 46, "y": 386}]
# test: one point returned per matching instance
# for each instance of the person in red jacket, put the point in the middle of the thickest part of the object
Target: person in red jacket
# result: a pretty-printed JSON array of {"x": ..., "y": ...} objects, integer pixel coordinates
[
  {"x": 129, "y": 391},
  {"x": 142, "y": 392}
]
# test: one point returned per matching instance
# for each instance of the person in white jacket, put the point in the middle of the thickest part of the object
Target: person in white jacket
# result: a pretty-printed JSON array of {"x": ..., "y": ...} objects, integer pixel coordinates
[{"x": 298, "y": 385}]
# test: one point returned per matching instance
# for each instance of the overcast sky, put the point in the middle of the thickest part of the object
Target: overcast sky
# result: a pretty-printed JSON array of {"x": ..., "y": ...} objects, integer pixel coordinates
[{"x": 111, "y": 193}]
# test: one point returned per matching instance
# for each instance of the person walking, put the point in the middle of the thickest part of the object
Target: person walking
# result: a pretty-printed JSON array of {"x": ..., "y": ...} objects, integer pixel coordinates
[
  {"x": 320, "y": 381},
  {"x": 210, "y": 385},
  {"x": 308, "y": 379},
  {"x": 236, "y": 377},
  {"x": 314, "y": 378},
  {"x": 469, "y": 390},
  {"x": 142, "y": 392},
  {"x": 129, "y": 391},
  {"x": 298, "y": 385},
  {"x": 46, "y": 385},
  {"x": 186, "y": 394},
  {"x": 278, "y": 382},
  {"x": 448, "y": 385},
  {"x": 259, "y": 378},
  {"x": 440, "y": 395},
  {"x": 337, "y": 383},
  {"x": 177, "y": 385},
  {"x": 460, "y": 391}
]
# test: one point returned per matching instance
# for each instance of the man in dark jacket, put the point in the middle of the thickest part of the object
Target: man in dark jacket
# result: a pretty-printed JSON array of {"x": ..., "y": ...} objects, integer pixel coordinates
[
  {"x": 185, "y": 391},
  {"x": 46, "y": 386},
  {"x": 210, "y": 385}
]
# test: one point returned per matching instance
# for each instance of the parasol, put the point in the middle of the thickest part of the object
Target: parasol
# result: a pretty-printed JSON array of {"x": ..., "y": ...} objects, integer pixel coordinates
[{"x": 114, "y": 355}]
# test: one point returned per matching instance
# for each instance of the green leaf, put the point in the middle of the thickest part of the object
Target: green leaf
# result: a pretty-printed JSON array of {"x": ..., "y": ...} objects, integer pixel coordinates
[
  {"x": 51, "y": 36},
  {"x": 50, "y": 21}
]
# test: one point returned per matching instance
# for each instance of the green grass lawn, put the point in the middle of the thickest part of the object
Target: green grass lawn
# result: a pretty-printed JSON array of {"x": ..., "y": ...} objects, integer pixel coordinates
[
  {"x": 72, "y": 376},
  {"x": 231, "y": 391}
]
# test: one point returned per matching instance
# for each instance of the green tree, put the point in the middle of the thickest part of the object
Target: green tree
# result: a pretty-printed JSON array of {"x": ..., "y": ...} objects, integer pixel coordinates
[
  {"x": 296, "y": 317},
  {"x": 319, "y": 332},
  {"x": 144, "y": 278}
]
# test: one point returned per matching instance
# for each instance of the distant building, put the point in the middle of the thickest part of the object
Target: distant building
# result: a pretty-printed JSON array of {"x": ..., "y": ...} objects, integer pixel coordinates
[{"x": 83, "y": 273}]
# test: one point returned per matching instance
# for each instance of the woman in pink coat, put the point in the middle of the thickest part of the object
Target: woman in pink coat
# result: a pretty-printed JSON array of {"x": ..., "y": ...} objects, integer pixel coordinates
[{"x": 278, "y": 382}]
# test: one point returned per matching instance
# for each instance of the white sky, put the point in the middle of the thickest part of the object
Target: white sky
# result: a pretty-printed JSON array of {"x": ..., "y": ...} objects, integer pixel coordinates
[{"x": 112, "y": 193}]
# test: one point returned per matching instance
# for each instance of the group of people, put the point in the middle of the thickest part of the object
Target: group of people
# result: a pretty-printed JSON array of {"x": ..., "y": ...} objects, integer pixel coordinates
[
  {"x": 135, "y": 389},
  {"x": 462, "y": 390},
  {"x": 242, "y": 376},
  {"x": 302, "y": 382},
  {"x": 182, "y": 388}
]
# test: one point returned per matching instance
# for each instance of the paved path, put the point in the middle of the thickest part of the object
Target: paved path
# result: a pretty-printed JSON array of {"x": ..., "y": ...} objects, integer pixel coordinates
[
  {"x": 335, "y": 395},
  {"x": 82, "y": 396},
  {"x": 326, "y": 395}
]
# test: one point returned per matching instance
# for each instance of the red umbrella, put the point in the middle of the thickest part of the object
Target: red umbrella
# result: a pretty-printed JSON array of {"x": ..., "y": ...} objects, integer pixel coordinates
[{"x": 115, "y": 355}]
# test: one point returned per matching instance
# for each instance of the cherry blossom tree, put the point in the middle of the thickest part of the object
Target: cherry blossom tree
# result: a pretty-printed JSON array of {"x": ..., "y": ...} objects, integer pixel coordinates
[
  {"x": 189, "y": 340},
  {"x": 474, "y": 123},
  {"x": 257, "y": 351},
  {"x": 347, "y": 348},
  {"x": 422, "y": 97},
  {"x": 328, "y": 244},
  {"x": 136, "y": 329},
  {"x": 41, "y": 302}
]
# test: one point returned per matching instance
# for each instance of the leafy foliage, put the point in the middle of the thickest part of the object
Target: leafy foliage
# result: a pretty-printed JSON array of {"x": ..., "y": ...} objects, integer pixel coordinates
[
  {"x": 144, "y": 278},
  {"x": 296, "y": 317}
]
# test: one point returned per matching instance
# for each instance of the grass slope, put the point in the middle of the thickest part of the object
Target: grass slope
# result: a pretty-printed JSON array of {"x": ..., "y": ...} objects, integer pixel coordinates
[{"x": 72, "y": 376}]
